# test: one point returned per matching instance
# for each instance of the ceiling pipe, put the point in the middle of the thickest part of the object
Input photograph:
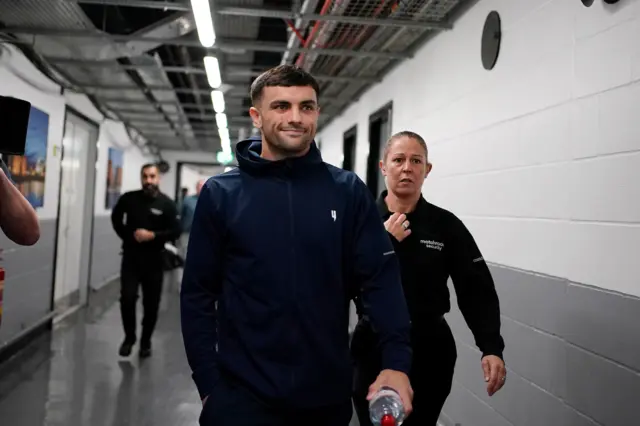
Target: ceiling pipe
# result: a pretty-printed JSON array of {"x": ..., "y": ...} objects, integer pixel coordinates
[
  {"x": 316, "y": 26},
  {"x": 361, "y": 33},
  {"x": 323, "y": 35},
  {"x": 307, "y": 5}
]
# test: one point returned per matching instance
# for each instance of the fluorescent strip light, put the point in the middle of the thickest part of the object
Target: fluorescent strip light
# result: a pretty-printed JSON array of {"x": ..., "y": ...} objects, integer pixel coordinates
[
  {"x": 204, "y": 22},
  {"x": 217, "y": 98},
  {"x": 221, "y": 120},
  {"x": 224, "y": 133},
  {"x": 212, "y": 68}
]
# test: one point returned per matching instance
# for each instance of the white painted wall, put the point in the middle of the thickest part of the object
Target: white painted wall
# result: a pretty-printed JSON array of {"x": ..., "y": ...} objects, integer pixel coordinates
[
  {"x": 541, "y": 156},
  {"x": 112, "y": 134},
  {"x": 20, "y": 79}
]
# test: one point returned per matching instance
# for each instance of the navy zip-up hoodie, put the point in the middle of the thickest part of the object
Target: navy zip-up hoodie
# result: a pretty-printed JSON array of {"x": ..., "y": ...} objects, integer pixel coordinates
[{"x": 281, "y": 247}]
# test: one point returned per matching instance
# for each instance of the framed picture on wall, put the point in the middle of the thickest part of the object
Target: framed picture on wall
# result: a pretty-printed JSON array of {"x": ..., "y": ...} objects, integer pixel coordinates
[
  {"x": 29, "y": 171},
  {"x": 114, "y": 177}
]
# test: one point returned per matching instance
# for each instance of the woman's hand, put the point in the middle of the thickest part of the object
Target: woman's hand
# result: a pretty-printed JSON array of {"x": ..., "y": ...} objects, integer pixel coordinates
[
  {"x": 398, "y": 226},
  {"x": 495, "y": 373}
]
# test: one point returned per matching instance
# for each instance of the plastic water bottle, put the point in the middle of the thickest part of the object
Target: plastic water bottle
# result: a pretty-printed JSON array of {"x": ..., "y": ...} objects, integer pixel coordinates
[{"x": 385, "y": 408}]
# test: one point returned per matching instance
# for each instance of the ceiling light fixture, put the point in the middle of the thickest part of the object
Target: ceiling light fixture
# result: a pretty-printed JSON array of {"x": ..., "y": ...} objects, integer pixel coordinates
[
  {"x": 217, "y": 98},
  {"x": 204, "y": 22},
  {"x": 212, "y": 68},
  {"x": 221, "y": 120},
  {"x": 224, "y": 133}
]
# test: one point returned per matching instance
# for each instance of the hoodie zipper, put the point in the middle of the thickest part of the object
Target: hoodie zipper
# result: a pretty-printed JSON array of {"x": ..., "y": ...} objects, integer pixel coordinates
[{"x": 293, "y": 268}]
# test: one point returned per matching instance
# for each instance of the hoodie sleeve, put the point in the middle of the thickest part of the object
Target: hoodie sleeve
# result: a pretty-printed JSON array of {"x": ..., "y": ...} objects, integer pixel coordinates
[
  {"x": 377, "y": 272},
  {"x": 201, "y": 287}
]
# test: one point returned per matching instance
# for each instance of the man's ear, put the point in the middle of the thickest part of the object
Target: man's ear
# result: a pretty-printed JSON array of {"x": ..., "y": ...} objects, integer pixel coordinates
[
  {"x": 382, "y": 169},
  {"x": 255, "y": 117}
]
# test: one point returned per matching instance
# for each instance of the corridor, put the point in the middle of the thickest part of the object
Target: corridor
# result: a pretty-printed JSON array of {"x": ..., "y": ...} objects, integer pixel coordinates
[{"x": 528, "y": 145}]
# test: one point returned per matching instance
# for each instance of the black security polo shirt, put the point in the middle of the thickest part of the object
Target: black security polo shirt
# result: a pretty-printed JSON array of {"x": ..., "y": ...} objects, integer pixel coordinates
[{"x": 441, "y": 247}]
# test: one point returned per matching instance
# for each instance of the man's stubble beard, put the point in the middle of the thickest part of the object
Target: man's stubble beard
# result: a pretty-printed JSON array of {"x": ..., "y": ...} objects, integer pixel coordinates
[{"x": 277, "y": 145}]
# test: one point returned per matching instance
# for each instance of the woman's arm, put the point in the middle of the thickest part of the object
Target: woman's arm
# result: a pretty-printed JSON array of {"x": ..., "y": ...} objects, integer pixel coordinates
[{"x": 475, "y": 289}]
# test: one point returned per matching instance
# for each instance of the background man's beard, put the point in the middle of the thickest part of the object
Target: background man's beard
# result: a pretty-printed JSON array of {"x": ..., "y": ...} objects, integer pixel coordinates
[{"x": 150, "y": 188}]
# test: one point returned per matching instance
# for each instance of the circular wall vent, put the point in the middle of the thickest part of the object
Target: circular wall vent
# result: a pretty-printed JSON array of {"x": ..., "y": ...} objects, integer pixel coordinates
[
  {"x": 491, "y": 37},
  {"x": 163, "y": 166}
]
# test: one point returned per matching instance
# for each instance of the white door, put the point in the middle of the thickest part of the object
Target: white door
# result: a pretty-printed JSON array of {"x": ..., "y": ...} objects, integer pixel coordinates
[{"x": 75, "y": 213}]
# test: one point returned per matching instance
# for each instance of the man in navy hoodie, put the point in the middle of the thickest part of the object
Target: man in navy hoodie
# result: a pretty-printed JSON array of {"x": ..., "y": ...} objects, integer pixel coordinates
[{"x": 278, "y": 248}]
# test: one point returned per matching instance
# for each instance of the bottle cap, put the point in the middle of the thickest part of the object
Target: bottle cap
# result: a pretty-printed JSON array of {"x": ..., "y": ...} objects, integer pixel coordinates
[{"x": 387, "y": 420}]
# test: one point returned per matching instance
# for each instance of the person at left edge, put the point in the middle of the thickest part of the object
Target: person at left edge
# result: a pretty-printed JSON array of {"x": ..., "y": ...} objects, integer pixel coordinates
[
  {"x": 277, "y": 249},
  {"x": 145, "y": 220},
  {"x": 18, "y": 219}
]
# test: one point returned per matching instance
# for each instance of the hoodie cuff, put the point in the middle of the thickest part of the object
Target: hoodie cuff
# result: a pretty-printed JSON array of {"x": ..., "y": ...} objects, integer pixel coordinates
[
  {"x": 206, "y": 380},
  {"x": 397, "y": 359}
]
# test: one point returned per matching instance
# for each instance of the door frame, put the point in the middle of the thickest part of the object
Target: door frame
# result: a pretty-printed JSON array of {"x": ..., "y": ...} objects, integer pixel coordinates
[
  {"x": 373, "y": 172},
  {"x": 67, "y": 111},
  {"x": 180, "y": 164},
  {"x": 352, "y": 132}
]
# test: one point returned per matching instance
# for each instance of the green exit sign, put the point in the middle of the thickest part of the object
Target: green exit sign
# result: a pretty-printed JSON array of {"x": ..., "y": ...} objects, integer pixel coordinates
[{"x": 224, "y": 157}]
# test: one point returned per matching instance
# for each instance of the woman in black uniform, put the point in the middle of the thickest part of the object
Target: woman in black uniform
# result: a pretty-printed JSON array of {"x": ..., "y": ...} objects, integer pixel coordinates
[{"x": 432, "y": 245}]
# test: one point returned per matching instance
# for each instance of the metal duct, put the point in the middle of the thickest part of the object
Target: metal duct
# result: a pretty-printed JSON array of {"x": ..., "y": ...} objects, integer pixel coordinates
[
  {"x": 308, "y": 6},
  {"x": 325, "y": 33}
]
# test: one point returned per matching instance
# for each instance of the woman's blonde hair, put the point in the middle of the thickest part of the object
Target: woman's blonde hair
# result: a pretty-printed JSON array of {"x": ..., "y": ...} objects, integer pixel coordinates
[{"x": 404, "y": 134}]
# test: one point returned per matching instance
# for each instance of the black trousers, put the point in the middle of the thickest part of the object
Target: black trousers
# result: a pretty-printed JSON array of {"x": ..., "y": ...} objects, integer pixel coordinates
[
  {"x": 434, "y": 358},
  {"x": 145, "y": 272},
  {"x": 232, "y": 404}
]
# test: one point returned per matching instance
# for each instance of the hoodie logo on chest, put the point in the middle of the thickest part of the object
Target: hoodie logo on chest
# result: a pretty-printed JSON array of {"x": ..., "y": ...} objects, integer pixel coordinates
[
  {"x": 334, "y": 215},
  {"x": 156, "y": 212}
]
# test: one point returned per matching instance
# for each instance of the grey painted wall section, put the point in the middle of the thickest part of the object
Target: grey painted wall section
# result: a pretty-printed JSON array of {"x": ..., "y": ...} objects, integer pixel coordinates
[
  {"x": 572, "y": 354},
  {"x": 105, "y": 253},
  {"x": 28, "y": 282}
]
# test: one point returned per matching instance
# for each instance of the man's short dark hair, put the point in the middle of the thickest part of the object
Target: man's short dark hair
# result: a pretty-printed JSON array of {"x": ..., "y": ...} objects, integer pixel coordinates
[
  {"x": 282, "y": 76},
  {"x": 148, "y": 165}
]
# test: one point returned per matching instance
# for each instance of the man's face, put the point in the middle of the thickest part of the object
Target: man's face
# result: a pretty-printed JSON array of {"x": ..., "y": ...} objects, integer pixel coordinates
[
  {"x": 150, "y": 180},
  {"x": 288, "y": 118}
]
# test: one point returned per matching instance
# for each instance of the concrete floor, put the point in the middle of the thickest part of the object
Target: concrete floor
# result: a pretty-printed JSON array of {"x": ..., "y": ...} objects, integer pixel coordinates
[{"x": 73, "y": 376}]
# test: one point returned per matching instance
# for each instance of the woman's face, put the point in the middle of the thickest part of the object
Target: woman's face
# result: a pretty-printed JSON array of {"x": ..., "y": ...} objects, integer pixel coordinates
[{"x": 405, "y": 167}]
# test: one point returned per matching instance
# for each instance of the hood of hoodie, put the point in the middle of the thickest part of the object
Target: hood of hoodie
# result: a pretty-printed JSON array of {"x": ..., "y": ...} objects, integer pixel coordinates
[{"x": 248, "y": 154}]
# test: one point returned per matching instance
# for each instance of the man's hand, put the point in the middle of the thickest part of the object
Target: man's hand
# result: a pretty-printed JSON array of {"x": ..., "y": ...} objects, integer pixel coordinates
[
  {"x": 398, "y": 381},
  {"x": 398, "y": 226},
  {"x": 143, "y": 235},
  {"x": 495, "y": 373}
]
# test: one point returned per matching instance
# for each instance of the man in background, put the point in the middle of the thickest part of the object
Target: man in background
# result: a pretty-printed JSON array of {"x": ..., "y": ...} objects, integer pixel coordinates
[
  {"x": 145, "y": 220},
  {"x": 187, "y": 210}
]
